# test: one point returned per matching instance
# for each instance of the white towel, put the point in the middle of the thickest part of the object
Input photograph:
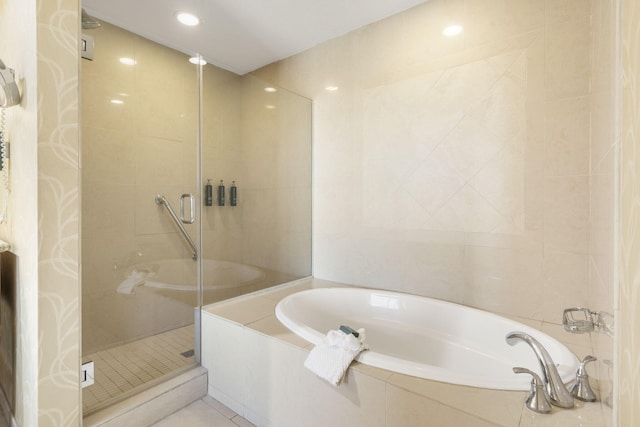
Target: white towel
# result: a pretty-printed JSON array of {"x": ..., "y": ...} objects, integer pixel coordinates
[
  {"x": 136, "y": 278},
  {"x": 331, "y": 358}
]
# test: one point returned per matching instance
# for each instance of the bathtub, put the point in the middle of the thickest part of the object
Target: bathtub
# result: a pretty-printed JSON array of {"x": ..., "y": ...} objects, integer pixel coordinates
[
  {"x": 424, "y": 337},
  {"x": 181, "y": 275}
]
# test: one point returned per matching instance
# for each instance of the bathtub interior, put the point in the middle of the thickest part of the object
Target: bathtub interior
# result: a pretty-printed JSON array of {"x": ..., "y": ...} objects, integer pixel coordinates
[
  {"x": 423, "y": 337},
  {"x": 180, "y": 274}
]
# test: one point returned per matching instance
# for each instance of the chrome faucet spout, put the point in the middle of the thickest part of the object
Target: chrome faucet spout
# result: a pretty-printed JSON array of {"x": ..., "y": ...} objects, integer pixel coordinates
[{"x": 558, "y": 393}]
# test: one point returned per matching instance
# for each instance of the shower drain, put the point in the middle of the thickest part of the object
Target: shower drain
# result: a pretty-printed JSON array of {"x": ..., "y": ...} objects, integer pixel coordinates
[{"x": 188, "y": 353}]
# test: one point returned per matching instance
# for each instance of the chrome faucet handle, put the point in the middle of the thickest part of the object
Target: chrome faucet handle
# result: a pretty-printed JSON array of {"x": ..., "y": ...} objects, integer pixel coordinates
[
  {"x": 558, "y": 393},
  {"x": 581, "y": 389},
  {"x": 538, "y": 398}
]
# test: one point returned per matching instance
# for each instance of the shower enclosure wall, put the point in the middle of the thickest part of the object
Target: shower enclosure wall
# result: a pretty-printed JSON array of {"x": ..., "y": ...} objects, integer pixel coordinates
[{"x": 151, "y": 121}]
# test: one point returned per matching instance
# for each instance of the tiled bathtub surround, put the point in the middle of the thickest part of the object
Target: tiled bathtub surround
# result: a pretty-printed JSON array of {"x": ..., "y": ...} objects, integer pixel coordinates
[
  {"x": 478, "y": 168},
  {"x": 259, "y": 374}
]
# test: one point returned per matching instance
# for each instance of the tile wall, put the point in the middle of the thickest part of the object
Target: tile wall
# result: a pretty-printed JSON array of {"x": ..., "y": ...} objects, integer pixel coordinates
[
  {"x": 132, "y": 150},
  {"x": 461, "y": 168},
  {"x": 147, "y": 145},
  {"x": 605, "y": 145},
  {"x": 276, "y": 193}
]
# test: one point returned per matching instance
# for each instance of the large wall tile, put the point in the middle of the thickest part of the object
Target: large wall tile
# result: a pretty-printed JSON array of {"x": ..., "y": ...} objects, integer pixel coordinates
[
  {"x": 567, "y": 137},
  {"x": 566, "y": 214},
  {"x": 568, "y": 51}
]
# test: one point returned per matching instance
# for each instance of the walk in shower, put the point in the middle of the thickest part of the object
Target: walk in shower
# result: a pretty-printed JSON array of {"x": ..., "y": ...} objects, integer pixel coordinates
[{"x": 157, "y": 127}]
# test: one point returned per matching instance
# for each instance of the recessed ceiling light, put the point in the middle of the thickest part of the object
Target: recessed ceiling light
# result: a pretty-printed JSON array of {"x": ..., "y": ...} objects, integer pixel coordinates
[
  {"x": 117, "y": 101},
  {"x": 331, "y": 88},
  {"x": 197, "y": 60},
  {"x": 452, "y": 30},
  {"x": 127, "y": 61},
  {"x": 270, "y": 107},
  {"x": 188, "y": 19},
  {"x": 270, "y": 89}
]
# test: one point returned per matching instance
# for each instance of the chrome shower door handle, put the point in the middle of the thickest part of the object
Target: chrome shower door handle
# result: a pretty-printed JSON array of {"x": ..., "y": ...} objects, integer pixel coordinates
[{"x": 192, "y": 209}]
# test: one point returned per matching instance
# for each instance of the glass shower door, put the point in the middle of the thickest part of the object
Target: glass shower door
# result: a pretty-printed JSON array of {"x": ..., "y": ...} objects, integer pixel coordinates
[{"x": 140, "y": 104}]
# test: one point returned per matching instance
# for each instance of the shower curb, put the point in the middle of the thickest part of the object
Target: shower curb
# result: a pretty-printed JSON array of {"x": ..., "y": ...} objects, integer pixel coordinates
[{"x": 154, "y": 404}]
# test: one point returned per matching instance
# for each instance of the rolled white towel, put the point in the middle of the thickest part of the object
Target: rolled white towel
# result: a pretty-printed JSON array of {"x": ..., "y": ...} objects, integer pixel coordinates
[
  {"x": 331, "y": 358},
  {"x": 136, "y": 278}
]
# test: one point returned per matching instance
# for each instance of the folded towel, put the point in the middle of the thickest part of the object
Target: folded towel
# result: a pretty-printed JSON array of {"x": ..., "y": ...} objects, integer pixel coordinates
[
  {"x": 331, "y": 358},
  {"x": 136, "y": 278}
]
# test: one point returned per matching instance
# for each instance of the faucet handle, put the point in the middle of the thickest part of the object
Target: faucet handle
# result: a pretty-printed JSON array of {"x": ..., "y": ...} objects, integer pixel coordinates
[
  {"x": 538, "y": 398},
  {"x": 581, "y": 389}
]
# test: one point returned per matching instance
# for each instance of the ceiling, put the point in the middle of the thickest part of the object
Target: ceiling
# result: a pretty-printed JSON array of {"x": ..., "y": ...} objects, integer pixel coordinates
[{"x": 243, "y": 35}]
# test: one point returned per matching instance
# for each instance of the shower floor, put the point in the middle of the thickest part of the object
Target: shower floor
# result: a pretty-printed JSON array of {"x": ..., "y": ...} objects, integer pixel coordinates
[{"x": 126, "y": 369}]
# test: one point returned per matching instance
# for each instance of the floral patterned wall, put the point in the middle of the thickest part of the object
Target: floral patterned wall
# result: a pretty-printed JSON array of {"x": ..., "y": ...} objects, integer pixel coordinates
[
  {"x": 629, "y": 317},
  {"x": 58, "y": 213}
]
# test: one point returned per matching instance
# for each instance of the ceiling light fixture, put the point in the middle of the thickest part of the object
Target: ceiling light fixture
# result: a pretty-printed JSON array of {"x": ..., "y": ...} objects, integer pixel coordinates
[
  {"x": 331, "y": 88},
  {"x": 270, "y": 89},
  {"x": 452, "y": 30},
  {"x": 197, "y": 60},
  {"x": 188, "y": 19},
  {"x": 117, "y": 101}
]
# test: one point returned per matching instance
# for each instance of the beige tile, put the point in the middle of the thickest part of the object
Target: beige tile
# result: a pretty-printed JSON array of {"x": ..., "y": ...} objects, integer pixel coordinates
[
  {"x": 603, "y": 137},
  {"x": 567, "y": 70},
  {"x": 219, "y": 407},
  {"x": 244, "y": 311},
  {"x": 422, "y": 31},
  {"x": 490, "y": 20},
  {"x": 239, "y": 421},
  {"x": 567, "y": 137},
  {"x": 504, "y": 280},
  {"x": 566, "y": 283},
  {"x": 477, "y": 401},
  {"x": 121, "y": 370},
  {"x": 107, "y": 156},
  {"x": 583, "y": 415},
  {"x": 408, "y": 409},
  {"x": 272, "y": 327},
  {"x": 566, "y": 214},
  {"x": 109, "y": 210},
  {"x": 196, "y": 414},
  {"x": 579, "y": 344},
  {"x": 501, "y": 181}
]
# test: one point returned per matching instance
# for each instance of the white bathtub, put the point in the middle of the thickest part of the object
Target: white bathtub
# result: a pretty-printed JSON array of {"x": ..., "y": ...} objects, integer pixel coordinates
[
  {"x": 181, "y": 275},
  {"x": 424, "y": 337}
]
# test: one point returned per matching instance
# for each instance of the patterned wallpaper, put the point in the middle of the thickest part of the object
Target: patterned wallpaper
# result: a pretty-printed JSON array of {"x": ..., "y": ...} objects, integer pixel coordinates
[
  {"x": 629, "y": 321},
  {"x": 58, "y": 209}
]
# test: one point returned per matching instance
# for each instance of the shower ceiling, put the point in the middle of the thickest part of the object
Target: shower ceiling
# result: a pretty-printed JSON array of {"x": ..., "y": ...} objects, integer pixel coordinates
[{"x": 243, "y": 35}]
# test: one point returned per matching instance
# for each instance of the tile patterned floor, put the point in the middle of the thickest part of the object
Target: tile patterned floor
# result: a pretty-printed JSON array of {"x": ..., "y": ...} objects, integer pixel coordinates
[
  {"x": 206, "y": 412},
  {"x": 120, "y": 370}
]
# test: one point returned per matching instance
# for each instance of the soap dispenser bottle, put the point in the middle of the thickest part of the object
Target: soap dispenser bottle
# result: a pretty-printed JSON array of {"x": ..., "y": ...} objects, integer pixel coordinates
[
  {"x": 208, "y": 191},
  {"x": 221, "y": 194},
  {"x": 233, "y": 194}
]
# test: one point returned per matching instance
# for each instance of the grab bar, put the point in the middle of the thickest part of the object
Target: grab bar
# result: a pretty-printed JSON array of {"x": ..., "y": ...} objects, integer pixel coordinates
[
  {"x": 192, "y": 210},
  {"x": 161, "y": 200}
]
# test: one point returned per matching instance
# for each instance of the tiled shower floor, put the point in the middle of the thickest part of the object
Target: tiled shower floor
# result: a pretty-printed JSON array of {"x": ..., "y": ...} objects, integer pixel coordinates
[{"x": 120, "y": 369}]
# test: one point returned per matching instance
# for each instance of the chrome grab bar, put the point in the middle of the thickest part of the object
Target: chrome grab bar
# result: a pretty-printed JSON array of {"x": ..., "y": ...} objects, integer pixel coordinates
[
  {"x": 161, "y": 200},
  {"x": 192, "y": 208}
]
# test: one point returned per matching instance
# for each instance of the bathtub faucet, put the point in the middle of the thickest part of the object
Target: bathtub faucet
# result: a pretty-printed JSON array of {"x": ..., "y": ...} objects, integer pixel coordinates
[{"x": 558, "y": 393}]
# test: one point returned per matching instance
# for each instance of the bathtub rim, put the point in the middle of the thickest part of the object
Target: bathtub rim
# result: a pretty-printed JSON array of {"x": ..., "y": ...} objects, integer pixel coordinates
[
  {"x": 156, "y": 284},
  {"x": 420, "y": 370}
]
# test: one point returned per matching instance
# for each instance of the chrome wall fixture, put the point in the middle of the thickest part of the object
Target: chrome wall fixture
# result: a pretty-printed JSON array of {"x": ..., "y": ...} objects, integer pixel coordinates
[{"x": 161, "y": 200}]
